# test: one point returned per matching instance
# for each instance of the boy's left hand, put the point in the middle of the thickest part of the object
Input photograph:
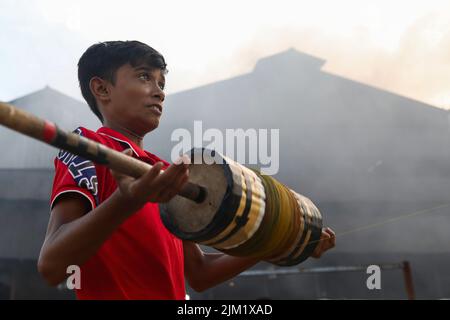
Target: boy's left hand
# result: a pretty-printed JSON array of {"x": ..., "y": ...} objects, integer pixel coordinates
[{"x": 327, "y": 241}]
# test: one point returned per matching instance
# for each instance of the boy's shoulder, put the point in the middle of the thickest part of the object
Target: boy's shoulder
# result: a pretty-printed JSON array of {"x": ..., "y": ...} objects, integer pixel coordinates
[
  {"x": 97, "y": 137},
  {"x": 85, "y": 132}
]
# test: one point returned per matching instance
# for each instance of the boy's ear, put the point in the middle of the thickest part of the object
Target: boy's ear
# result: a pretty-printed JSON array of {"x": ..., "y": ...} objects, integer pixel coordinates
[{"x": 99, "y": 88}]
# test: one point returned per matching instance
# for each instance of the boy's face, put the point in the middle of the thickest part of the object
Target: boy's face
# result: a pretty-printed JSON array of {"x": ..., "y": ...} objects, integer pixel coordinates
[{"x": 136, "y": 99}]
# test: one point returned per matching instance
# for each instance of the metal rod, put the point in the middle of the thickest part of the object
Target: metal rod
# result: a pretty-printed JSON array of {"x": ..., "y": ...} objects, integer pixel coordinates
[
  {"x": 318, "y": 270},
  {"x": 407, "y": 275}
]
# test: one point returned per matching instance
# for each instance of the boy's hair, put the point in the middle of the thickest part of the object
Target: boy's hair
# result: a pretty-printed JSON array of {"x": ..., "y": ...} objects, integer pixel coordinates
[{"x": 103, "y": 59}]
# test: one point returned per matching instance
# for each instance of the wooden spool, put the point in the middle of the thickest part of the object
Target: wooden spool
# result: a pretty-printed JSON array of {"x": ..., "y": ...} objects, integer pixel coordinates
[{"x": 244, "y": 213}]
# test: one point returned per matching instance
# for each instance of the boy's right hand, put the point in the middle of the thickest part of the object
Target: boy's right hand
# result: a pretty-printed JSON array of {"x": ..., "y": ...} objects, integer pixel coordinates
[
  {"x": 327, "y": 241},
  {"x": 153, "y": 186}
]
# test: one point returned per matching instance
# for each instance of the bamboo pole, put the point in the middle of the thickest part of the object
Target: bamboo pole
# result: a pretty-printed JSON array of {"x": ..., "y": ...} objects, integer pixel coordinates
[{"x": 47, "y": 132}]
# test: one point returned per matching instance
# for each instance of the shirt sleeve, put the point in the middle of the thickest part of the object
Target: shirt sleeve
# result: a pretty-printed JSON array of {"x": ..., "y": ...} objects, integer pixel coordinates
[{"x": 74, "y": 174}]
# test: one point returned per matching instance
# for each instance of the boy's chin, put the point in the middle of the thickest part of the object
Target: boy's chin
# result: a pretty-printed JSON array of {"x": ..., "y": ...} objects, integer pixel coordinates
[{"x": 153, "y": 124}]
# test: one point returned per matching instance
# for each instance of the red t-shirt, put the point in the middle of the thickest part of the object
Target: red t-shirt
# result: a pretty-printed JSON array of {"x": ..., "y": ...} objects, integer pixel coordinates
[{"x": 141, "y": 259}]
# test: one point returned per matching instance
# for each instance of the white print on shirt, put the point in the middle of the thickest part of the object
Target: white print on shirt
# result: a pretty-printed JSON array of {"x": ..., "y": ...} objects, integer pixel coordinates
[{"x": 82, "y": 170}]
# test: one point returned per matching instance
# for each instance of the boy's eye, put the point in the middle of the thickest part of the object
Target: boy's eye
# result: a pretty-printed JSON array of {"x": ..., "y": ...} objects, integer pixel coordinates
[{"x": 144, "y": 76}]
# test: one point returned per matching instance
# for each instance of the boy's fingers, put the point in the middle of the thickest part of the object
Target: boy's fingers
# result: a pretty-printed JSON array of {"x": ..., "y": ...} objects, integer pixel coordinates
[
  {"x": 171, "y": 175},
  {"x": 174, "y": 169},
  {"x": 143, "y": 185},
  {"x": 317, "y": 252},
  {"x": 180, "y": 179},
  {"x": 183, "y": 159},
  {"x": 148, "y": 179},
  {"x": 331, "y": 238},
  {"x": 333, "y": 242},
  {"x": 170, "y": 185},
  {"x": 325, "y": 235},
  {"x": 163, "y": 180},
  {"x": 327, "y": 241},
  {"x": 331, "y": 232},
  {"x": 163, "y": 185},
  {"x": 168, "y": 193}
]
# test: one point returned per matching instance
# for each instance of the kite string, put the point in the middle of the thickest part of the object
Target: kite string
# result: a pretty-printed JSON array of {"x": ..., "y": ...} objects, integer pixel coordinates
[{"x": 377, "y": 224}]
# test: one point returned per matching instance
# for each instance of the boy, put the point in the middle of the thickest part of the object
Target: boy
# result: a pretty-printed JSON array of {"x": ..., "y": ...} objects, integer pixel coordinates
[{"x": 108, "y": 223}]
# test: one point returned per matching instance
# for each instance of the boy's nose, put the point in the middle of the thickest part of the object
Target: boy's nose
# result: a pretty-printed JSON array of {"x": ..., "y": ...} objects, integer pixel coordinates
[{"x": 159, "y": 94}]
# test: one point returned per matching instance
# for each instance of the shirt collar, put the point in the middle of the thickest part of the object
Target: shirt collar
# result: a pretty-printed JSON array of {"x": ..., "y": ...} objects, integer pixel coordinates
[{"x": 123, "y": 140}]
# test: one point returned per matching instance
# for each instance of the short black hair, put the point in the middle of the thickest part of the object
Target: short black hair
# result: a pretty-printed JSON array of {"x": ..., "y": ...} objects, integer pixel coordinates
[{"x": 103, "y": 59}]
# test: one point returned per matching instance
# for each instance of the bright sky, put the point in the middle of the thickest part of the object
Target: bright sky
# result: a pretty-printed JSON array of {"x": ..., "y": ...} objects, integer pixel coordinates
[{"x": 401, "y": 46}]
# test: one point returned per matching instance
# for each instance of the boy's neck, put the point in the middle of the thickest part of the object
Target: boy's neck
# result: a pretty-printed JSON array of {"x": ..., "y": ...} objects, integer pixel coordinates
[{"x": 133, "y": 136}]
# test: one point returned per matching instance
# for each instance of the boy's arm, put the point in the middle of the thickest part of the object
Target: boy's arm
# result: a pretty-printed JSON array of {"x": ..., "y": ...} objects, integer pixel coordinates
[
  {"x": 74, "y": 234},
  {"x": 205, "y": 270}
]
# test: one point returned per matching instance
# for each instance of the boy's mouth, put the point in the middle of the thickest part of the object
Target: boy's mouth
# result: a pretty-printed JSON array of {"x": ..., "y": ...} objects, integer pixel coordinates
[{"x": 155, "y": 107}]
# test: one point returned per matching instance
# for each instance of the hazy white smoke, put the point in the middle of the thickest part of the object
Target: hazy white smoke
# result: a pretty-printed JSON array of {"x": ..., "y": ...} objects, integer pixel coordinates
[{"x": 417, "y": 66}]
